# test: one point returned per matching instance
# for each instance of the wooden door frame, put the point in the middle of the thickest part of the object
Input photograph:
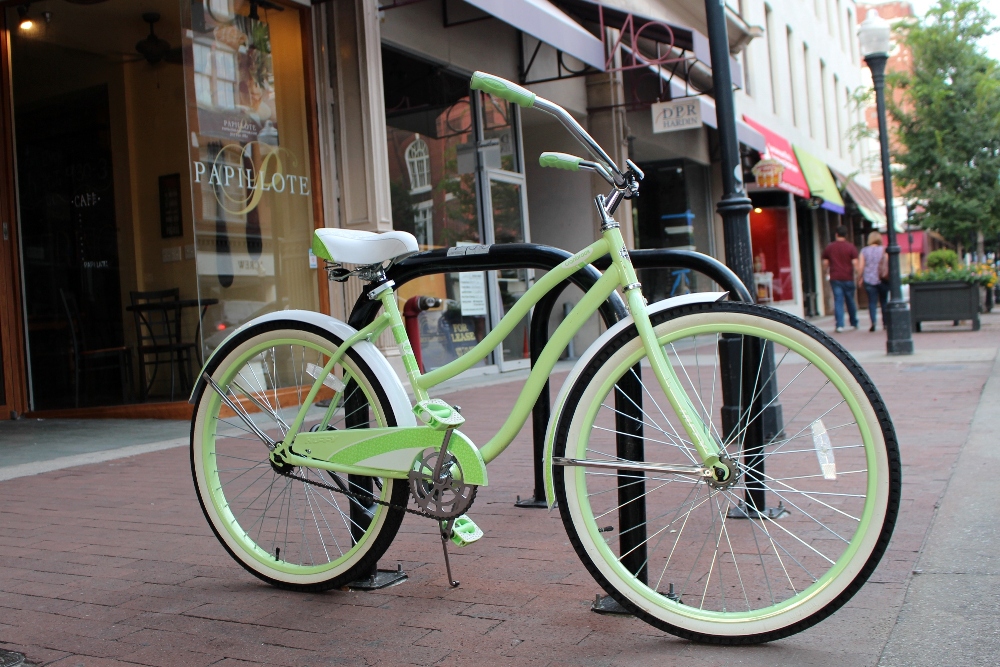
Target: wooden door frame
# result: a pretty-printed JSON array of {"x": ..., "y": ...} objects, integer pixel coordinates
[{"x": 14, "y": 370}]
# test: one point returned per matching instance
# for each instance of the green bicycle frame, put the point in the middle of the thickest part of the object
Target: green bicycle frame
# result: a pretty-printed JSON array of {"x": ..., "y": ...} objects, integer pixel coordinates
[{"x": 621, "y": 273}]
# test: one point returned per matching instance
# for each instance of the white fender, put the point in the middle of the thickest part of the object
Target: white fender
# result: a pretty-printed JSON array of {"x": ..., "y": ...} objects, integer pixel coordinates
[
  {"x": 384, "y": 375},
  {"x": 659, "y": 306}
]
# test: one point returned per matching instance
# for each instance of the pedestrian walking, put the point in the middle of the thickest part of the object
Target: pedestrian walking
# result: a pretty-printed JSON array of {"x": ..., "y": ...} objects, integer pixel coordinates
[
  {"x": 840, "y": 260},
  {"x": 873, "y": 267}
]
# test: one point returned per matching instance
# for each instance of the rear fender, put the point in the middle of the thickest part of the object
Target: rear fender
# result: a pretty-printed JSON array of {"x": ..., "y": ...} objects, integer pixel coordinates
[{"x": 376, "y": 361}]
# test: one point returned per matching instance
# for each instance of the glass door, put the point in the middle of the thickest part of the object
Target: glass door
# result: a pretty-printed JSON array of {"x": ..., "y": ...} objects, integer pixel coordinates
[
  {"x": 505, "y": 212},
  {"x": 507, "y": 204}
]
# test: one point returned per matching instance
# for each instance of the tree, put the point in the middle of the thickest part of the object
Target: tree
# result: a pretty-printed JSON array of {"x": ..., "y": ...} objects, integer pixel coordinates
[{"x": 947, "y": 111}]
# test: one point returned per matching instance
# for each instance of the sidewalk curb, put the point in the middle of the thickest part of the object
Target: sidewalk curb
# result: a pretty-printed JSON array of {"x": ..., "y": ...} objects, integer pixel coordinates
[{"x": 39, "y": 467}]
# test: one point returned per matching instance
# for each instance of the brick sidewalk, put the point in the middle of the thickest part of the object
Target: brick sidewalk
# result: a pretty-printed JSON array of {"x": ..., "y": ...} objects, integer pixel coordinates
[{"x": 113, "y": 564}]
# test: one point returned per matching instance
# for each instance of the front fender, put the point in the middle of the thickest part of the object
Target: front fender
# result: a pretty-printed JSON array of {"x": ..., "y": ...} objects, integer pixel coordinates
[
  {"x": 376, "y": 361},
  {"x": 584, "y": 361}
]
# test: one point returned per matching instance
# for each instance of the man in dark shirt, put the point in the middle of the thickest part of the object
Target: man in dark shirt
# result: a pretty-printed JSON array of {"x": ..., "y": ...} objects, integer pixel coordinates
[{"x": 840, "y": 260}]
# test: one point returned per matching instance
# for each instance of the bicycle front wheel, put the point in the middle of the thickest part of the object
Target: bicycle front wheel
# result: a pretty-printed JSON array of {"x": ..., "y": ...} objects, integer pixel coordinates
[
  {"x": 811, "y": 508},
  {"x": 275, "y": 523}
]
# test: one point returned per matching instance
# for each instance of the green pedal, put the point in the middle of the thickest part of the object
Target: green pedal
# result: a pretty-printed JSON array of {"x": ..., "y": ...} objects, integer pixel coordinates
[
  {"x": 437, "y": 414},
  {"x": 465, "y": 532}
]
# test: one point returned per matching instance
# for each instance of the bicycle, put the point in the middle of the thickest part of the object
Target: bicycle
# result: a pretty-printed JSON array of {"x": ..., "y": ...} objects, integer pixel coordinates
[{"x": 306, "y": 450}]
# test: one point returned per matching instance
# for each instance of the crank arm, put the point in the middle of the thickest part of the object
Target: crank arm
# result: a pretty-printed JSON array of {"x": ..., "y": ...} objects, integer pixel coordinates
[
  {"x": 271, "y": 444},
  {"x": 693, "y": 471}
]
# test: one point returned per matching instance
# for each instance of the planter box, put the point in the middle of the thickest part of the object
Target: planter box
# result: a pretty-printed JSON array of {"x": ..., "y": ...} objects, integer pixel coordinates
[{"x": 949, "y": 300}]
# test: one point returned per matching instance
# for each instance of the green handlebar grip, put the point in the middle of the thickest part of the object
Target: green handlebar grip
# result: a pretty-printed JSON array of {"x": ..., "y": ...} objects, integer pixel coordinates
[
  {"x": 502, "y": 88},
  {"x": 560, "y": 161}
]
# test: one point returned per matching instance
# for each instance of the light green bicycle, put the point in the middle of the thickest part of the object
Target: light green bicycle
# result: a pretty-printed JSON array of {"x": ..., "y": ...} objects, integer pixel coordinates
[{"x": 306, "y": 449}]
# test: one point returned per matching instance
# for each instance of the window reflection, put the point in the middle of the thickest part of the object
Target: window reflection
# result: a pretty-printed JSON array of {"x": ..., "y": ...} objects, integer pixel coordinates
[{"x": 432, "y": 169}]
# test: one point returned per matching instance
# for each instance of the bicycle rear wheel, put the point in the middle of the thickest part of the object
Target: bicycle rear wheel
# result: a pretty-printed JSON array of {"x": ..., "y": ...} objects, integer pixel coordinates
[
  {"x": 718, "y": 564},
  {"x": 279, "y": 527}
]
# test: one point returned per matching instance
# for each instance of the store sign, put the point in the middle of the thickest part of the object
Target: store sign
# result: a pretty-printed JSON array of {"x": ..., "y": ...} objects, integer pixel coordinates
[
  {"x": 676, "y": 115},
  {"x": 239, "y": 184}
]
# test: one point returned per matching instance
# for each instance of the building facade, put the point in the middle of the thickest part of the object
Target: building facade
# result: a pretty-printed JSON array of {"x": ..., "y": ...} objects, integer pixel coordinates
[{"x": 164, "y": 170}]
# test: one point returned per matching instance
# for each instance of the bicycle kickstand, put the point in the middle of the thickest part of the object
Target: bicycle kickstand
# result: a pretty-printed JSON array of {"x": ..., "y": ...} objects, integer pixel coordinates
[{"x": 446, "y": 527}]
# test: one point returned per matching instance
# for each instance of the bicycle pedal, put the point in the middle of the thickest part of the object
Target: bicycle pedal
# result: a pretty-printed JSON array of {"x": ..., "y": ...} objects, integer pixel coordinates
[
  {"x": 437, "y": 414},
  {"x": 465, "y": 531}
]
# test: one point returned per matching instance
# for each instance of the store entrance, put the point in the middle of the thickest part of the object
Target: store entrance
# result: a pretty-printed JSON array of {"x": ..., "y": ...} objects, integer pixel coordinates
[
  {"x": 70, "y": 239},
  {"x": 98, "y": 135}
]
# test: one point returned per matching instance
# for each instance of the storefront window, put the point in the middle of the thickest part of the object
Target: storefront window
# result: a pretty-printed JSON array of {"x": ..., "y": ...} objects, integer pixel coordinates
[
  {"x": 162, "y": 155},
  {"x": 772, "y": 260},
  {"x": 250, "y": 170},
  {"x": 432, "y": 169},
  {"x": 672, "y": 213}
]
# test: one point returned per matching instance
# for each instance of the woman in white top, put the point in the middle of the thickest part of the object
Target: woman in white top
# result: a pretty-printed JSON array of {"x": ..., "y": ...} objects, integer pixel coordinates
[{"x": 873, "y": 272}]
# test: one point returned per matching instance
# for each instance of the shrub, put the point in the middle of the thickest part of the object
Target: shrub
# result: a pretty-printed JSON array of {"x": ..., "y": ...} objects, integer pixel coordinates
[{"x": 942, "y": 259}]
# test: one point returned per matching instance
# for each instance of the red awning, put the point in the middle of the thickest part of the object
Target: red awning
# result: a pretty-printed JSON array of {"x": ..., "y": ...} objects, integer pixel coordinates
[
  {"x": 903, "y": 241},
  {"x": 780, "y": 149}
]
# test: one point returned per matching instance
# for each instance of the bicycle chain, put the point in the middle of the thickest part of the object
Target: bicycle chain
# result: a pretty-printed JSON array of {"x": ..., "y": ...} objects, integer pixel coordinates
[{"x": 367, "y": 497}]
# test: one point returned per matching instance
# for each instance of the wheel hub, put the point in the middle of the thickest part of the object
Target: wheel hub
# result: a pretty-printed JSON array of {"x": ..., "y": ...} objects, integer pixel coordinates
[{"x": 725, "y": 473}]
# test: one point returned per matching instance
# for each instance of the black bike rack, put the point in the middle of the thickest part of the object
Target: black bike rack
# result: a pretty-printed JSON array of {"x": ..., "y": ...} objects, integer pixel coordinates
[{"x": 628, "y": 397}]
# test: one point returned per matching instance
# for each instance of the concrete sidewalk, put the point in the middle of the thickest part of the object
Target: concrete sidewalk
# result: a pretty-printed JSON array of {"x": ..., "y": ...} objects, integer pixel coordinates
[
  {"x": 112, "y": 563},
  {"x": 952, "y": 606}
]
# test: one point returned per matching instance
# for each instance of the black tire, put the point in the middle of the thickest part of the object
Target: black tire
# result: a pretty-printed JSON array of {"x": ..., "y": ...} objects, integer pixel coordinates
[
  {"x": 649, "y": 602},
  {"x": 384, "y": 523}
]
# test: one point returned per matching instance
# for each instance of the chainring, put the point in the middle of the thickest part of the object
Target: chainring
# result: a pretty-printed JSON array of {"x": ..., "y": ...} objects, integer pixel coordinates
[{"x": 446, "y": 497}]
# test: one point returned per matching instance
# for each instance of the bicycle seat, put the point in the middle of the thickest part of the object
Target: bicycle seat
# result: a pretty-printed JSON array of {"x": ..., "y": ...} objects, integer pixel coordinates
[{"x": 353, "y": 246}]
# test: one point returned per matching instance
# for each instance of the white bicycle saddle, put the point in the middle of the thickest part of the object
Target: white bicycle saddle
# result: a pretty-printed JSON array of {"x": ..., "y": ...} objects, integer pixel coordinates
[{"x": 352, "y": 246}]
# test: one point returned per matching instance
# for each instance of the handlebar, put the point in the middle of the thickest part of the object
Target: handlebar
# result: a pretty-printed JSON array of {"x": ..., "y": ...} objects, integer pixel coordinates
[
  {"x": 560, "y": 161},
  {"x": 502, "y": 88},
  {"x": 507, "y": 90}
]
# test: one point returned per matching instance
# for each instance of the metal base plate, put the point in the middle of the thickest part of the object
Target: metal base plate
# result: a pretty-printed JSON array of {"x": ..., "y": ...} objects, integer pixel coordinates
[
  {"x": 379, "y": 579},
  {"x": 10, "y": 659},
  {"x": 537, "y": 503},
  {"x": 605, "y": 604},
  {"x": 741, "y": 511}
]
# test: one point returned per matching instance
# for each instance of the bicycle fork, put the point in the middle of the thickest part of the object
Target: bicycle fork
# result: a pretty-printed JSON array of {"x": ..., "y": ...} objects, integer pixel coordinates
[{"x": 699, "y": 432}]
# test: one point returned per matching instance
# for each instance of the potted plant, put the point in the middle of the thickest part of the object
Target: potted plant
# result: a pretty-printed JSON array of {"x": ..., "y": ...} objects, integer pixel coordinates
[{"x": 947, "y": 290}]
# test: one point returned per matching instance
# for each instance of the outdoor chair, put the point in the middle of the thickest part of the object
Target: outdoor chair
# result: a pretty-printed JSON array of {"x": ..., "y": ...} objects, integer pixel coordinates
[
  {"x": 158, "y": 331},
  {"x": 86, "y": 360}
]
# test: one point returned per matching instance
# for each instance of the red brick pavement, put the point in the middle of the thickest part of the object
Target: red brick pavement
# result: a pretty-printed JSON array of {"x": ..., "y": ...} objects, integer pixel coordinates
[{"x": 113, "y": 564}]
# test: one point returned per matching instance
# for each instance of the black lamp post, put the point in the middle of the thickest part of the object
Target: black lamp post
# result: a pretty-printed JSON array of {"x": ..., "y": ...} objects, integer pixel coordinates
[{"x": 874, "y": 36}]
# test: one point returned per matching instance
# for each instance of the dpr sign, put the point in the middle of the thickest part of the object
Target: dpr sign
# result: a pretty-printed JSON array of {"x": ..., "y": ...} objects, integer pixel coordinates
[{"x": 676, "y": 115}]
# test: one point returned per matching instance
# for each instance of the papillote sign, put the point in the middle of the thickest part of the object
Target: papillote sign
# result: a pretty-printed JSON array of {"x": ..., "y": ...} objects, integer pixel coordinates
[{"x": 676, "y": 115}]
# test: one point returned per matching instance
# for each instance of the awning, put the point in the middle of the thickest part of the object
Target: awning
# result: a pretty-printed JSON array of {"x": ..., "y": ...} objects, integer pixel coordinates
[
  {"x": 778, "y": 148},
  {"x": 547, "y": 23},
  {"x": 867, "y": 203},
  {"x": 903, "y": 241},
  {"x": 653, "y": 28},
  {"x": 820, "y": 181}
]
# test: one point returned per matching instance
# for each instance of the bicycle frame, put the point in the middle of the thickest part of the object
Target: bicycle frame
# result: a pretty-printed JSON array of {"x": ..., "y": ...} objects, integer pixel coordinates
[{"x": 621, "y": 273}]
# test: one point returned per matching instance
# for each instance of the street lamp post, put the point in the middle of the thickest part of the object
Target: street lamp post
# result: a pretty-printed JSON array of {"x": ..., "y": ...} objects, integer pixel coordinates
[{"x": 874, "y": 36}]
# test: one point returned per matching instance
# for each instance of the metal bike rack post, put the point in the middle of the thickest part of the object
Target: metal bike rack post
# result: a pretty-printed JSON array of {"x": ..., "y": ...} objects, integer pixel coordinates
[
  {"x": 484, "y": 258},
  {"x": 764, "y": 420},
  {"x": 628, "y": 395}
]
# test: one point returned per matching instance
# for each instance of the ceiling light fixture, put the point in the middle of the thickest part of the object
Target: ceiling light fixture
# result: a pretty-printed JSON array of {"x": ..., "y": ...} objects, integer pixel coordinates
[{"x": 25, "y": 23}]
